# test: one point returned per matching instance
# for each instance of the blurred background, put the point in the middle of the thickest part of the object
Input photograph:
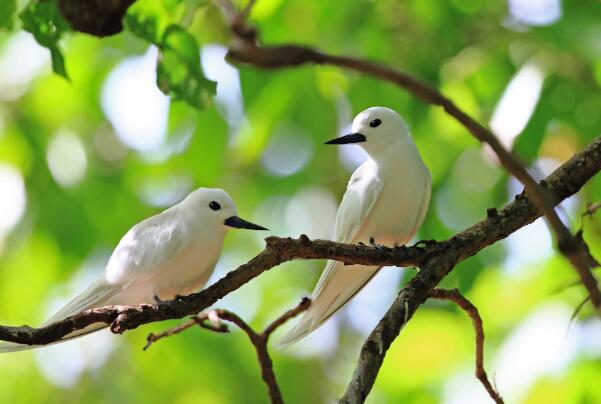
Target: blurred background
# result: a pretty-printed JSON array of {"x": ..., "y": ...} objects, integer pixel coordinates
[{"x": 83, "y": 160}]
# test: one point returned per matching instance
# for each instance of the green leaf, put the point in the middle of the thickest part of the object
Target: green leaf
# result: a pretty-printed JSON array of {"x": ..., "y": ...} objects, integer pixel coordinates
[
  {"x": 47, "y": 25},
  {"x": 148, "y": 19},
  {"x": 7, "y": 9},
  {"x": 178, "y": 69},
  {"x": 58, "y": 61},
  {"x": 178, "y": 66}
]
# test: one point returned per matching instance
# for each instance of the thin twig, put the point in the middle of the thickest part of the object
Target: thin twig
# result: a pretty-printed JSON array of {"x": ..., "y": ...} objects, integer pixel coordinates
[
  {"x": 455, "y": 296},
  {"x": 259, "y": 340},
  {"x": 302, "y": 306},
  {"x": 199, "y": 320},
  {"x": 578, "y": 309}
]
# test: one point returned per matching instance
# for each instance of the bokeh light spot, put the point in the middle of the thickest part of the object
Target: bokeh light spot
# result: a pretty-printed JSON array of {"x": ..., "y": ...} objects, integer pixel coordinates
[
  {"x": 288, "y": 152},
  {"x": 535, "y": 12},
  {"x": 66, "y": 158},
  {"x": 134, "y": 105},
  {"x": 12, "y": 202}
]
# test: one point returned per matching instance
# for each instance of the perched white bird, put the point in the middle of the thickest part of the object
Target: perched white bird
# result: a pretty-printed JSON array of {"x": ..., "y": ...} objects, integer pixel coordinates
[
  {"x": 168, "y": 255},
  {"x": 386, "y": 200}
]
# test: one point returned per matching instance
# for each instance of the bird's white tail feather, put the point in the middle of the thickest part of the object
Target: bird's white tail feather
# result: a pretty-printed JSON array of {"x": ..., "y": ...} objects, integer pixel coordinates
[
  {"x": 97, "y": 294},
  {"x": 337, "y": 285},
  {"x": 301, "y": 329}
]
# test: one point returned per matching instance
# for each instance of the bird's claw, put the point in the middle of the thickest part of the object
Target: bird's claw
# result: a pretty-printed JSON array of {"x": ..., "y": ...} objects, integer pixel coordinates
[
  {"x": 157, "y": 299},
  {"x": 379, "y": 247}
]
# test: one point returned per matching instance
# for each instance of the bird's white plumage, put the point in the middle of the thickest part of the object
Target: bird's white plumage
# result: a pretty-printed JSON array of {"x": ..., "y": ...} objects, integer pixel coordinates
[
  {"x": 362, "y": 193},
  {"x": 386, "y": 199},
  {"x": 172, "y": 253},
  {"x": 147, "y": 247}
]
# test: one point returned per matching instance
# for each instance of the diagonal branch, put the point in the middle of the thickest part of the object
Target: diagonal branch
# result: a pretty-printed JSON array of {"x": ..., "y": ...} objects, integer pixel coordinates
[
  {"x": 455, "y": 296},
  {"x": 435, "y": 261},
  {"x": 277, "y": 251},
  {"x": 259, "y": 340},
  {"x": 246, "y": 50},
  {"x": 434, "y": 269}
]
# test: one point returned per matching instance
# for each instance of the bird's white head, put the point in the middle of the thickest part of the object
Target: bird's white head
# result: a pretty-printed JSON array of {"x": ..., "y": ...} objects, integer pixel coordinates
[
  {"x": 217, "y": 208},
  {"x": 376, "y": 129}
]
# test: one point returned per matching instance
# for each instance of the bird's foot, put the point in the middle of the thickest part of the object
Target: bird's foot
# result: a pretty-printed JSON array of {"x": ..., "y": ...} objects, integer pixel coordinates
[
  {"x": 426, "y": 243},
  {"x": 379, "y": 247},
  {"x": 157, "y": 299}
]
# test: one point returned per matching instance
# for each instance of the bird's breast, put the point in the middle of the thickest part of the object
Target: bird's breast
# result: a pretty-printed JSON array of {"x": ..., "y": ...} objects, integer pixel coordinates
[
  {"x": 396, "y": 215},
  {"x": 190, "y": 271}
]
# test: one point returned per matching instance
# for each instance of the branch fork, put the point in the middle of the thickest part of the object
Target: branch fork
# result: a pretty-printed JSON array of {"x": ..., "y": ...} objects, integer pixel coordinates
[{"x": 213, "y": 320}]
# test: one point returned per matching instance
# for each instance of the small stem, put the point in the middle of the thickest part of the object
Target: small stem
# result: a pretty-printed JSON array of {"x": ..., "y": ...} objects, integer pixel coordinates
[
  {"x": 259, "y": 341},
  {"x": 455, "y": 296},
  {"x": 199, "y": 320}
]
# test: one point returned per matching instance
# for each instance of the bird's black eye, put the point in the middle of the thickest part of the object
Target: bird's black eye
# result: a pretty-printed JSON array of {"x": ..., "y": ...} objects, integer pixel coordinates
[
  {"x": 214, "y": 205},
  {"x": 375, "y": 123}
]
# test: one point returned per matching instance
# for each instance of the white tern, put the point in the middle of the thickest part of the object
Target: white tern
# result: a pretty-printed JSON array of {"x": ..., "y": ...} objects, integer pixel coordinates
[
  {"x": 165, "y": 256},
  {"x": 386, "y": 200}
]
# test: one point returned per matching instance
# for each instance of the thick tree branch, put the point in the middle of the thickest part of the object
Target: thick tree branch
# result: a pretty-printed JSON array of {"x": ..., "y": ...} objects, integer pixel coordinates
[
  {"x": 277, "y": 251},
  {"x": 259, "y": 340},
  {"x": 455, "y": 296},
  {"x": 560, "y": 184},
  {"x": 292, "y": 55},
  {"x": 246, "y": 50},
  {"x": 435, "y": 261}
]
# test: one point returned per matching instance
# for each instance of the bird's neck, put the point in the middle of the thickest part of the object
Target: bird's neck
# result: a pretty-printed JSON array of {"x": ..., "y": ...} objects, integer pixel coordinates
[
  {"x": 402, "y": 154},
  {"x": 203, "y": 227}
]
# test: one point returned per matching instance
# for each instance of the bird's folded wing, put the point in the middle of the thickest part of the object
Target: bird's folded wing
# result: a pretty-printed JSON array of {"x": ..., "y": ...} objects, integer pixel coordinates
[
  {"x": 354, "y": 210},
  {"x": 146, "y": 249},
  {"x": 337, "y": 283},
  {"x": 140, "y": 255}
]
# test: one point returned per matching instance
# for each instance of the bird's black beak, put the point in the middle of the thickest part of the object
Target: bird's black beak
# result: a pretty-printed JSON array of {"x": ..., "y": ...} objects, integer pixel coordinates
[
  {"x": 239, "y": 223},
  {"x": 346, "y": 139}
]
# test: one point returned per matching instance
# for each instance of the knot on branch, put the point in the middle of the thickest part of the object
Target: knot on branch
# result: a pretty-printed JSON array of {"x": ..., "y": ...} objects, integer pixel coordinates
[
  {"x": 123, "y": 319},
  {"x": 96, "y": 17},
  {"x": 304, "y": 239},
  {"x": 492, "y": 213}
]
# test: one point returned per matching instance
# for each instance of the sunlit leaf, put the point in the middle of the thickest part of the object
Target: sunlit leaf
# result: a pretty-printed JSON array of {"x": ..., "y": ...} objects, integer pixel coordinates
[
  {"x": 178, "y": 69},
  {"x": 148, "y": 19},
  {"x": 47, "y": 25}
]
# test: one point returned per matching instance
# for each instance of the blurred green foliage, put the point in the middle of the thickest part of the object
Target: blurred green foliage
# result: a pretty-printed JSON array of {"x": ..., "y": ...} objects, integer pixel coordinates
[
  {"x": 87, "y": 179},
  {"x": 47, "y": 25}
]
